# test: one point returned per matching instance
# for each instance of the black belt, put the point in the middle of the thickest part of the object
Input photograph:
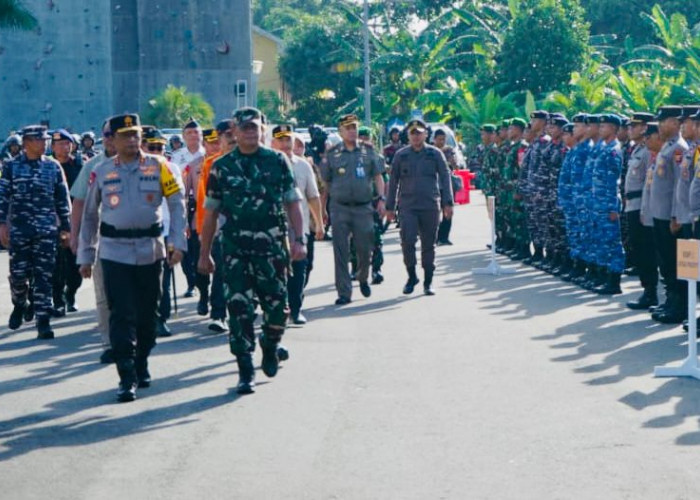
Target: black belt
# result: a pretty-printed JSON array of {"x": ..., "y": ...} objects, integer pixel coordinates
[
  {"x": 109, "y": 231},
  {"x": 353, "y": 204},
  {"x": 633, "y": 195}
]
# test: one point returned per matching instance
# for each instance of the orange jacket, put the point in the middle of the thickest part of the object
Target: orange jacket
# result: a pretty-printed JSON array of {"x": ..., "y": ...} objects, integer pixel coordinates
[{"x": 202, "y": 190}]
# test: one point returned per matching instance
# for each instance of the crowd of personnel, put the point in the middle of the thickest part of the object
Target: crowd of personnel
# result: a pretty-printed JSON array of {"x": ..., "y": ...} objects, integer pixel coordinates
[
  {"x": 240, "y": 216},
  {"x": 596, "y": 196}
]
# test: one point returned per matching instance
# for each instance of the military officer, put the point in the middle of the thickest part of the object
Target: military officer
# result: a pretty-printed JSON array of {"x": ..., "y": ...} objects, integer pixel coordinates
[
  {"x": 352, "y": 172},
  {"x": 641, "y": 237},
  {"x": 124, "y": 206},
  {"x": 87, "y": 145},
  {"x": 420, "y": 182},
  {"x": 252, "y": 187},
  {"x": 439, "y": 141},
  {"x": 668, "y": 161},
  {"x": 34, "y": 213},
  {"x": 66, "y": 278},
  {"x": 514, "y": 208},
  {"x": 536, "y": 212},
  {"x": 11, "y": 148}
]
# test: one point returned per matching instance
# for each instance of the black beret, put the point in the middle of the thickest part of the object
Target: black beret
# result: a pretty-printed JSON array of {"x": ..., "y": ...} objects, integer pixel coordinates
[{"x": 224, "y": 125}]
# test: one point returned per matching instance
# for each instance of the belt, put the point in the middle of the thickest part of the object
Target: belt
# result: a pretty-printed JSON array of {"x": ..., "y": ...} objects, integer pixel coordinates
[
  {"x": 632, "y": 195},
  {"x": 354, "y": 204},
  {"x": 110, "y": 231}
]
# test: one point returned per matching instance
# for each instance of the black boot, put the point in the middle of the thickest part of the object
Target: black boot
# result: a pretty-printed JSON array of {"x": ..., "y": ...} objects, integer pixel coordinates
[
  {"x": 523, "y": 253},
  {"x": 70, "y": 302},
  {"x": 584, "y": 276},
  {"x": 269, "y": 340},
  {"x": 611, "y": 285},
  {"x": 566, "y": 268},
  {"x": 428, "y": 283},
  {"x": 667, "y": 305},
  {"x": 16, "y": 316},
  {"x": 29, "y": 312},
  {"x": 203, "y": 303},
  {"x": 127, "y": 380},
  {"x": 548, "y": 263},
  {"x": 675, "y": 312},
  {"x": 649, "y": 298},
  {"x": 43, "y": 326},
  {"x": 412, "y": 280},
  {"x": 246, "y": 374},
  {"x": 601, "y": 278},
  {"x": 142, "y": 374}
]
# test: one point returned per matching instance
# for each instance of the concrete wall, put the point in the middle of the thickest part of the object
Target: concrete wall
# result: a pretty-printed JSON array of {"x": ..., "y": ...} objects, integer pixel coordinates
[
  {"x": 62, "y": 71},
  {"x": 89, "y": 60},
  {"x": 204, "y": 45}
]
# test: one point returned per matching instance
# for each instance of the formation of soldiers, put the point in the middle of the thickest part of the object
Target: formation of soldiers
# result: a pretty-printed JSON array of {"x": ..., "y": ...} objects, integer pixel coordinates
[
  {"x": 591, "y": 198},
  {"x": 222, "y": 203}
]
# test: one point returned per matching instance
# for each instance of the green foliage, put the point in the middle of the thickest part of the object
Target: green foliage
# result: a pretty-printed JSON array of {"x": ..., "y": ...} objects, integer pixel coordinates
[
  {"x": 173, "y": 106},
  {"x": 543, "y": 45},
  {"x": 14, "y": 15},
  {"x": 269, "y": 102}
]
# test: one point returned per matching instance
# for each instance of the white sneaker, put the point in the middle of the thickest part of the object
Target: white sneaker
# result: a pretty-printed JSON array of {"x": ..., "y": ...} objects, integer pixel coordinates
[{"x": 218, "y": 326}]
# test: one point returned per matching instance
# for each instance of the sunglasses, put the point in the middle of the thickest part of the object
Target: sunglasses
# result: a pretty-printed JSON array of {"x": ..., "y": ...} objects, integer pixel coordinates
[{"x": 156, "y": 148}]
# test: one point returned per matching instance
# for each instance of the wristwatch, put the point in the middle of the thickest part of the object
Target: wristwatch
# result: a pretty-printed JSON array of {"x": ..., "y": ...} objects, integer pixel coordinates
[
  {"x": 381, "y": 198},
  {"x": 300, "y": 240}
]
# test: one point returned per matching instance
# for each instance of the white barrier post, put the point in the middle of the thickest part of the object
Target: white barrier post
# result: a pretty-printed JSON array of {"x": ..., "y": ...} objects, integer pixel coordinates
[
  {"x": 493, "y": 268},
  {"x": 688, "y": 269}
]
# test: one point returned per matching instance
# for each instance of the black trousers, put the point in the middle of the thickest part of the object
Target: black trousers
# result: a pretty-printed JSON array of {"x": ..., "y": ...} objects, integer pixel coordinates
[
  {"x": 444, "y": 230},
  {"x": 642, "y": 250},
  {"x": 295, "y": 286},
  {"x": 133, "y": 293},
  {"x": 665, "y": 242},
  {"x": 310, "y": 238},
  {"x": 66, "y": 277}
]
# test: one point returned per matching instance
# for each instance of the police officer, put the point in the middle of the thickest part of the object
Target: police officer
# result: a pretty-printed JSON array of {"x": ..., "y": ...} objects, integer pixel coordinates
[
  {"x": 66, "y": 278},
  {"x": 641, "y": 237},
  {"x": 34, "y": 201},
  {"x": 252, "y": 187},
  {"x": 663, "y": 185},
  {"x": 352, "y": 171},
  {"x": 123, "y": 204},
  {"x": 420, "y": 182}
]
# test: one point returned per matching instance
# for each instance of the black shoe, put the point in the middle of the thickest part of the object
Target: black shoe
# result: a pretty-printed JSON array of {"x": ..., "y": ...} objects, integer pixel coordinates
[
  {"x": 203, "y": 306},
  {"x": 127, "y": 381},
  {"x": 246, "y": 374},
  {"x": 428, "y": 289},
  {"x": 107, "y": 357},
  {"x": 647, "y": 300},
  {"x": 298, "y": 319},
  {"x": 16, "y": 317},
  {"x": 44, "y": 328},
  {"x": 270, "y": 361},
  {"x": 365, "y": 289},
  {"x": 697, "y": 326},
  {"x": 341, "y": 301},
  {"x": 671, "y": 317},
  {"x": 611, "y": 286},
  {"x": 410, "y": 285},
  {"x": 282, "y": 353},
  {"x": 447, "y": 243},
  {"x": 29, "y": 313},
  {"x": 162, "y": 329},
  {"x": 142, "y": 374},
  {"x": 218, "y": 326},
  {"x": 58, "y": 312},
  {"x": 189, "y": 293},
  {"x": 377, "y": 278},
  {"x": 70, "y": 303}
]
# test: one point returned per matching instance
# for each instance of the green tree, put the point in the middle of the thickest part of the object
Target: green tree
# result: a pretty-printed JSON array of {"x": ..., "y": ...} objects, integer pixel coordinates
[
  {"x": 546, "y": 41},
  {"x": 173, "y": 106},
  {"x": 269, "y": 102},
  {"x": 14, "y": 15}
]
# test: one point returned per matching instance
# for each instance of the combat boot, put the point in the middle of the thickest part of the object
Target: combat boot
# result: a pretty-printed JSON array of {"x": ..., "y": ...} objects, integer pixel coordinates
[
  {"x": 523, "y": 253},
  {"x": 203, "y": 303},
  {"x": 536, "y": 257},
  {"x": 128, "y": 380},
  {"x": 590, "y": 277},
  {"x": 601, "y": 277},
  {"x": 29, "y": 312},
  {"x": 673, "y": 315},
  {"x": 611, "y": 286},
  {"x": 70, "y": 302},
  {"x": 412, "y": 281},
  {"x": 16, "y": 316},
  {"x": 649, "y": 298},
  {"x": 547, "y": 263},
  {"x": 143, "y": 376},
  {"x": 428, "y": 283},
  {"x": 565, "y": 268},
  {"x": 246, "y": 373},
  {"x": 43, "y": 327},
  {"x": 270, "y": 356}
]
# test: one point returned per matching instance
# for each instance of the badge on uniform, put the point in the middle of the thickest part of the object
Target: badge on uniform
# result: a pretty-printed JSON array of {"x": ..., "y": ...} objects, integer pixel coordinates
[
  {"x": 114, "y": 200},
  {"x": 150, "y": 197},
  {"x": 341, "y": 171},
  {"x": 660, "y": 171},
  {"x": 678, "y": 155}
]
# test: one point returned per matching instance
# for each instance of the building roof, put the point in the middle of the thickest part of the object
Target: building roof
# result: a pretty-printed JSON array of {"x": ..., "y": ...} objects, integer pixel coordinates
[{"x": 267, "y": 34}]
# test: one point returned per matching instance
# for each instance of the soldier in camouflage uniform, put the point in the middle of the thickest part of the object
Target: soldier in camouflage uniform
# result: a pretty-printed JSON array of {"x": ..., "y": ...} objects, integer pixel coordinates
[
  {"x": 553, "y": 155},
  {"x": 537, "y": 179},
  {"x": 34, "y": 201},
  {"x": 487, "y": 178},
  {"x": 513, "y": 207},
  {"x": 501, "y": 190},
  {"x": 251, "y": 187}
]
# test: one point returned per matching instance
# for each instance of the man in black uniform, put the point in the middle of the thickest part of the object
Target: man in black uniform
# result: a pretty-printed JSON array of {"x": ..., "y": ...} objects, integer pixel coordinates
[{"x": 420, "y": 182}]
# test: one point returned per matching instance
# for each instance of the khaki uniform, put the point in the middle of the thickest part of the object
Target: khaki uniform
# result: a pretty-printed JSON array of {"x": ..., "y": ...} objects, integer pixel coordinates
[{"x": 350, "y": 176}]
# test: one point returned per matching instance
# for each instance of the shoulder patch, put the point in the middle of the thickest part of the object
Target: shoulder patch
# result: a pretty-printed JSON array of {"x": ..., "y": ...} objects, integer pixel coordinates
[{"x": 168, "y": 182}]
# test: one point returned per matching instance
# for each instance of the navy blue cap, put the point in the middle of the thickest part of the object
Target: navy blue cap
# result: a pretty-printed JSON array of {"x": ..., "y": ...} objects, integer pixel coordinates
[
  {"x": 611, "y": 118},
  {"x": 61, "y": 135},
  {"x": 669, "y": 112},
  {"x": 579, "y": 118},
  {"x": 639, "y": 118},
  {"x": 541, "y": 114},
  {"x": 592, "y": 119},
  {"x": 568, "y": 128},
  {"x": 652, "y": 128}
]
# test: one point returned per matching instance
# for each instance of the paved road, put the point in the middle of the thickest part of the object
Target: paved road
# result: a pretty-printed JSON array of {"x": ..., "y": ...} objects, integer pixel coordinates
[{"x": 515, "y": 387}]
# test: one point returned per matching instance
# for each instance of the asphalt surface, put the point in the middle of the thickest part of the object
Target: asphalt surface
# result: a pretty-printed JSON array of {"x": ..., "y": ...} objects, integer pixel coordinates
[{"x": 510, "y": 387}]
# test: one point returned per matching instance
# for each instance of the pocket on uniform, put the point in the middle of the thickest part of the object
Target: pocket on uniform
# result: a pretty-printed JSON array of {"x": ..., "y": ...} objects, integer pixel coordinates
[{"x": 150, "y": 193}]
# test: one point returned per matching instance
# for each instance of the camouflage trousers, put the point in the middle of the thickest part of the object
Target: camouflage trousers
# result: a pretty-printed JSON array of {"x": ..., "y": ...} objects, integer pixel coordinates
[
  {"x": 556, "y": 234},
  {"x": 33, "y": 257},
  {"x": 517, "y": 223},
  {"x": 607, "y": 250},
  {"x": 247, "y": 281},
  {"x": 537, "y": 219}
]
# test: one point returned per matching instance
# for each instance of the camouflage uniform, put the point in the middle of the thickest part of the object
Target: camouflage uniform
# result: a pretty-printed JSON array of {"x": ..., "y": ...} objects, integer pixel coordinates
[
  {"x": 556, "y": 226},
  {"x": 501, "y": 189},
  {"x": 516, "y": 219},
  {"x": 34, "y": 201},
  {"x": 537, "y": 179},
  {"x": 250, "y": 191}
]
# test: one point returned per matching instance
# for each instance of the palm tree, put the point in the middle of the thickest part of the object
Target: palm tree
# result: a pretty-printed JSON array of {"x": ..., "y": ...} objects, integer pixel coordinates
[{"x": 14, "y": 15}]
